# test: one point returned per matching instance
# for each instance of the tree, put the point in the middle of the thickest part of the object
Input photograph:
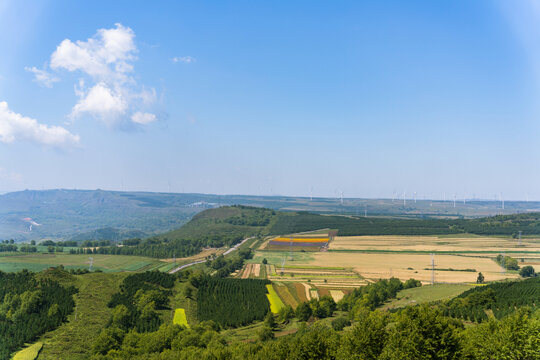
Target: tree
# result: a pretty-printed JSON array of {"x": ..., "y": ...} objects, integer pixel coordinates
[
  {"x": 264, "y": 261},
  {"x": 339, "y": 323},
  {"x": 480, "y": 278},
  {"x": 188, "y": 292},
  {"x": 527, "y": 271},
  {"x": 286, "y": 313},
  {"x": 412, "y": 283},
  {"x": 266, "y": 333},
  {"x": 33, "y": 242},
  {"x": 121, "y": 316},
  {"x": 269, "y": 320},
  {"x": 303, "y": 311},
  {"x": 108, "y": 339},
  {"x": 367, "y": 338},
  {"x": 422, "y": 332}
]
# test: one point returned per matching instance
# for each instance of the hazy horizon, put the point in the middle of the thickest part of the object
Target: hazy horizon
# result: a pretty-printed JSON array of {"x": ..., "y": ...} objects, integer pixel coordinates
[{"x": 295, "y": 99}]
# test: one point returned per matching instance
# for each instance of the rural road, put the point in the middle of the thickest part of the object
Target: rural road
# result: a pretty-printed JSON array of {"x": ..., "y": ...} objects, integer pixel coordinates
[{"x": 235, "y": 247}]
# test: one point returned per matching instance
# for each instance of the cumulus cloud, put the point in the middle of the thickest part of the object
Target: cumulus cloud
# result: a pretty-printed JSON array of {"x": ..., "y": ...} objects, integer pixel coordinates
[
  {"x": 42, "y": 77},
  {"x": 105, "y": 62},
  {"x": 184, "y": 59},
  {"x": 15, "y": 127},
  {"x": 143, "y": 118},
  {"x": 101, "y": 101}
]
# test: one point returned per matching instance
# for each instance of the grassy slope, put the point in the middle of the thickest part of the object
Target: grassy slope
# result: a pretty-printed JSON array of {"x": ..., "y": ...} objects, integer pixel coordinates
[
  {"x": 10, "y": 262},
  {"x": 426, "y": 293},
  {"x": 73, "y": 339},
  {"x": 29, "y": 353}
]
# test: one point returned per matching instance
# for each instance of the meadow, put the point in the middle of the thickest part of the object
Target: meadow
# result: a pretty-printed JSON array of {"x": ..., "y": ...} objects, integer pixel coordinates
[
  {"x": 426, "y": 293},
  {"x": 12, "y": 262}
]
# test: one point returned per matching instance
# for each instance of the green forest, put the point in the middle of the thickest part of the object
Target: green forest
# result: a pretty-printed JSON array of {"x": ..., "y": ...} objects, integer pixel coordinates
[
  {"x": 30, "y": 305},
  {"x": 361, "y": 330},
  {"x": 228, "y": 225},
  {"x": 231, "y": 302}
]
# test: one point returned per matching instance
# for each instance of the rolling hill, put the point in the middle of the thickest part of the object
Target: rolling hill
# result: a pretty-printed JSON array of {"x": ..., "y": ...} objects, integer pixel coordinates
[{"x": 114, "y": 215}]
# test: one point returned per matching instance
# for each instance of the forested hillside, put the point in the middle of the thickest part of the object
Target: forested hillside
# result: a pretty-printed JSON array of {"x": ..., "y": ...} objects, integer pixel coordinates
[
  {"x": 287, "y": 223},
  {"x": 115, "y": 215},
  {"x": 29, "y": 306},
  {"x": 359, "y": 332},
  {"x": 228, "y": 225},
  {"x": 225, "y": 226}
]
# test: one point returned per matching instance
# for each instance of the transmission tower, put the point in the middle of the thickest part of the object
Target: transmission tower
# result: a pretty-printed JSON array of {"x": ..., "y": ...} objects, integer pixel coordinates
[
  {"x": 91, "y": 264},
  {"x": 432, "y": 269}
]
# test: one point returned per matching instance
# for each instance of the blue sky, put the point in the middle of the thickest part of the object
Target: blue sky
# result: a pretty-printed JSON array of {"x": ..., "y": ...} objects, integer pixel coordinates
[{"x": 273, "y": 97}]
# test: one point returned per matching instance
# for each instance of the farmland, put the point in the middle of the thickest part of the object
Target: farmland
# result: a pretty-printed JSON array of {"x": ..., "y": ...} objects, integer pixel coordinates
[
  {"x": 424, "y": 294},
  {"x": 180, "y": 317},
  {"x": 275, "y": 301},
  {"x": 354, "y": 260},
  {"x": 11, "y": 262}
]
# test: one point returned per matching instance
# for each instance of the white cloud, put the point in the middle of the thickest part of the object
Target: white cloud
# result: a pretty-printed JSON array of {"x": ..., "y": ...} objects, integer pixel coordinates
[
  {"x": 106, "y": 63},
  {"x": 143, "y": 118},
  {"x": 15, "y": 127},
  {"x": 184, "y": 59},
  {"x": 101, "y": 101},
  {"x": 104, "y": 57},
  {"x": 42, "y": 76}
]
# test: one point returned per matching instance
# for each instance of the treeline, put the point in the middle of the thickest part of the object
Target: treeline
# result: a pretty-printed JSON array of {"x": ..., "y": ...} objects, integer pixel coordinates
[
  {"x": 225, "y": 226},
  {"x": 507, "y": 262},
  {"x": 254, "y": 217},
  {"x": 528, "y": 224},
  {"x": 29, "y": 307},
  {"x": 134, "y": 307},
  {"x": 374, "y": 295},
  {"x": 225, "y": 266},
  {"x": 421, "y": 332},
  {"x": 499, "y": 299},
  {"x": 231, "y": 302}
]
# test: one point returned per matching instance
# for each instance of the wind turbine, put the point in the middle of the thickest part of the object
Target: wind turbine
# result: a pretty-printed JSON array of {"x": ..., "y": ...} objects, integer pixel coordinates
[{"x": 404, "y": 201}]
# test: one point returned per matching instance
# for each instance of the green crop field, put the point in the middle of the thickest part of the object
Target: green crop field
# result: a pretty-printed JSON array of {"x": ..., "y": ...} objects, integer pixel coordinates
[
  {"x": 426, "y": 293},
  {"x": 275, "y": 301},
  {"x": 180, "y": 317},
  {"x": 278, "y": 257},
  {"x": 29, "y": 353},
  {"x": 107, "y": 263}
]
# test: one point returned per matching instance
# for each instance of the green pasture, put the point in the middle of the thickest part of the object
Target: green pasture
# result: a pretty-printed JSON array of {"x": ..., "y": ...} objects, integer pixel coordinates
[
  {"x": 426, "y": 293},
  {"x": 107, "y": 263}
]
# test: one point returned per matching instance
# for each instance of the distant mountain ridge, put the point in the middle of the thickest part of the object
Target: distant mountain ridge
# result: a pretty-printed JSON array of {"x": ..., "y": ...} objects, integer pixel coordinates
[{"x": 77, "y": 214}]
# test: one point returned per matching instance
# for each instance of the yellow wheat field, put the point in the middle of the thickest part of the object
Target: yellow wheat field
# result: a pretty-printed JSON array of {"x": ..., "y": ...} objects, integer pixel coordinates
[
  {"x": 406, "y": 266},
  {"x": 432, "y": 243}
]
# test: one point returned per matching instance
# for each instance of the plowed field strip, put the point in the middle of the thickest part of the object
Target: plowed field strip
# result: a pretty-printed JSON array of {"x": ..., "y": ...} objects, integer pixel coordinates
[
  {"x": 301, "y": 292},
  {"x": 285, "y": 295}
]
